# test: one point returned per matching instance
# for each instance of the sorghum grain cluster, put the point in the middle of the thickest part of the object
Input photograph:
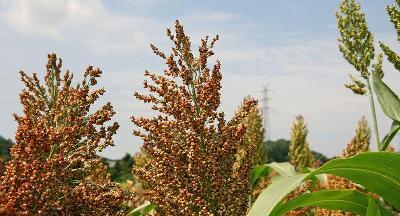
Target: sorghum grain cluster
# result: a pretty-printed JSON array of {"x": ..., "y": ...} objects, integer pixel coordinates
[
  {"x": 55, "y": 169},
  {"x": 192, "y": 148}
]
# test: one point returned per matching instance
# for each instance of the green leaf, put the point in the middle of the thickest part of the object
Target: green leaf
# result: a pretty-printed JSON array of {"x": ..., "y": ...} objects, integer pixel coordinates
[
  {"x": 344, "y": 200},
  {"x": 321, "y": 178},
  {"x": 388, "y": 100},
  {"x": 283, "y": 169},
  {"x": 147, "y": 209},
  {"x": 274, "y": 194},
  {"x": 389, "y": 137},
  {"x": 257, "y": 173},
  {"x": 143, "y": 209},
  {"x": 378, "y": 172},
  {"x": 373, "y": 208}
]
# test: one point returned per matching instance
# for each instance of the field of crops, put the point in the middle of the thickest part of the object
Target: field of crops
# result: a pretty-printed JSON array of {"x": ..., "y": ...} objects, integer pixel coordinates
[{"x": 194, "y": 160}]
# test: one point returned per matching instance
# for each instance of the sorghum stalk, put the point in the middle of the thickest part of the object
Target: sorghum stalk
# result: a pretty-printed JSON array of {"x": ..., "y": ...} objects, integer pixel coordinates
[
  {"x": 373, "y": 114},
  {"x": 356, "y": 43}
]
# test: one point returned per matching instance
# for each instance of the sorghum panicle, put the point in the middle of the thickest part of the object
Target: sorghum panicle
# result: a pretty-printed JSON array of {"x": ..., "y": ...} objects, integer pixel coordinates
[
  {"x": 192, "y": 147},
  {"x": 299, "y": 150},
  {"x": 54, "y": 158}
]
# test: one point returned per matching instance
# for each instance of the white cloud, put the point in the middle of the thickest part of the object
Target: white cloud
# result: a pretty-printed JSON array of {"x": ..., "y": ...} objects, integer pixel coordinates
[
  {"x": 79, "y": 20},
  {"x": 215, "y": 16},
  {"x": 305, "y": 75}
]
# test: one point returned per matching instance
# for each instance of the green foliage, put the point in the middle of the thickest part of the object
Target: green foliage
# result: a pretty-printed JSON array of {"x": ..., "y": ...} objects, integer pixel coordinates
[
  {"x": 347, "y": 200},
  {"x": 319, "y": 157},
  {"x": 278, "y": 151},
  {"x": 5, "y": 146},
  {"x": 388, "y": 100},
  {"x": 377, "y": 172},
  {"x": 390, "y": 104},
  {"x": 143, "y": 209},
  {"x": 257, "y": 173},
  {"x": 274, "y": 194},
  {"x": 299, "y": 150},
  {"x": 120, "y": 171},
  {"x": 373, "y": 208},
  {"x": 389, "y": 137}
]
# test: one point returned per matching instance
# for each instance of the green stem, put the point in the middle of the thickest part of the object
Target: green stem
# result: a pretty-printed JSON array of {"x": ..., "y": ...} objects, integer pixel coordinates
[{"x": 373, "y": 113}]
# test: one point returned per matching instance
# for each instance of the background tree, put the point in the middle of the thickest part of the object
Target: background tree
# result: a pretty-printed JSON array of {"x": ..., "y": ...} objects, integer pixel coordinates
[
  {"x": 299, "y": 150},
  {"x": 120, "y": 170},
  {"x": 5, "y": 146},
  {"x": 54, "y": 157},
  {"x": 191, "y": 146},
  {"x": 278, "y": 151}
]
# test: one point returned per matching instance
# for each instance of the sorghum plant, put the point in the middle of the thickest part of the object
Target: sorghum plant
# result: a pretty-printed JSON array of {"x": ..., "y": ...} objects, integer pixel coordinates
[
  {"x": 192, "y": 147},
  {"x": 141, "y": 158},
  {"x": 55, "y": 169},
  {"x": 360, "y": 143},
  {"x": 254, "y": 138},
  {"x": 255, "y": 135},
  {"x": 299, "y": 150},
  {"x": 254, "y": 141},
  {"x": 394, "y": 15},
  {"x": 356, "y": 43}
]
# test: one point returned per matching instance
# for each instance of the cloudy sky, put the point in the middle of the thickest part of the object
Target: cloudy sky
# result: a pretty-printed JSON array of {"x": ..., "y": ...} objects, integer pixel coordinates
[{"x": 289, "y": 44}]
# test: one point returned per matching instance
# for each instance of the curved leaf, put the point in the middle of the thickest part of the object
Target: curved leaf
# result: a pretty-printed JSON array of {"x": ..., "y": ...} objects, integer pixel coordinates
[
  {"x": 143, "y": 209},
  {"x": 373, "y": 208},
  {"x": 274, "y": 193},
  {"x": 344, "y": 200},
  {"x": 257, "y": 173},
  {"x": 388, "y": 100},
  {"x": 283, "y": 169},
  {"x": 389, "y": 137},
  {"x": 376, "y": 171}
]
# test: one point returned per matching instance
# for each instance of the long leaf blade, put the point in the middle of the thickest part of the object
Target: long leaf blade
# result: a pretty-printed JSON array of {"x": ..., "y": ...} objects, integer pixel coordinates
[
  {"x": 389, "y": 137},
  {"x": 274, "y": 193},
  {"x": 345, "y": 200},
  {"x": 389, "y": 101},
  {"x": 284, "y": 169},
  {"x": 373, "y": 208},
  {"x": 257, "y": 173},
  {"x": 143, "y": 209},
  {"x": 376, "y": 171}
]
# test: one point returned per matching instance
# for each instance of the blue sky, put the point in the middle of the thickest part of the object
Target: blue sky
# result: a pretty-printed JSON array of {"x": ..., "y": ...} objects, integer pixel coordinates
[{"x": 292, "y": 45}]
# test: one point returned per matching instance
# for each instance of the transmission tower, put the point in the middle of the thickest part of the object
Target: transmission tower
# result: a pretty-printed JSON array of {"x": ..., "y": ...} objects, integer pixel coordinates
[{"x": 265, "y": 111}]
